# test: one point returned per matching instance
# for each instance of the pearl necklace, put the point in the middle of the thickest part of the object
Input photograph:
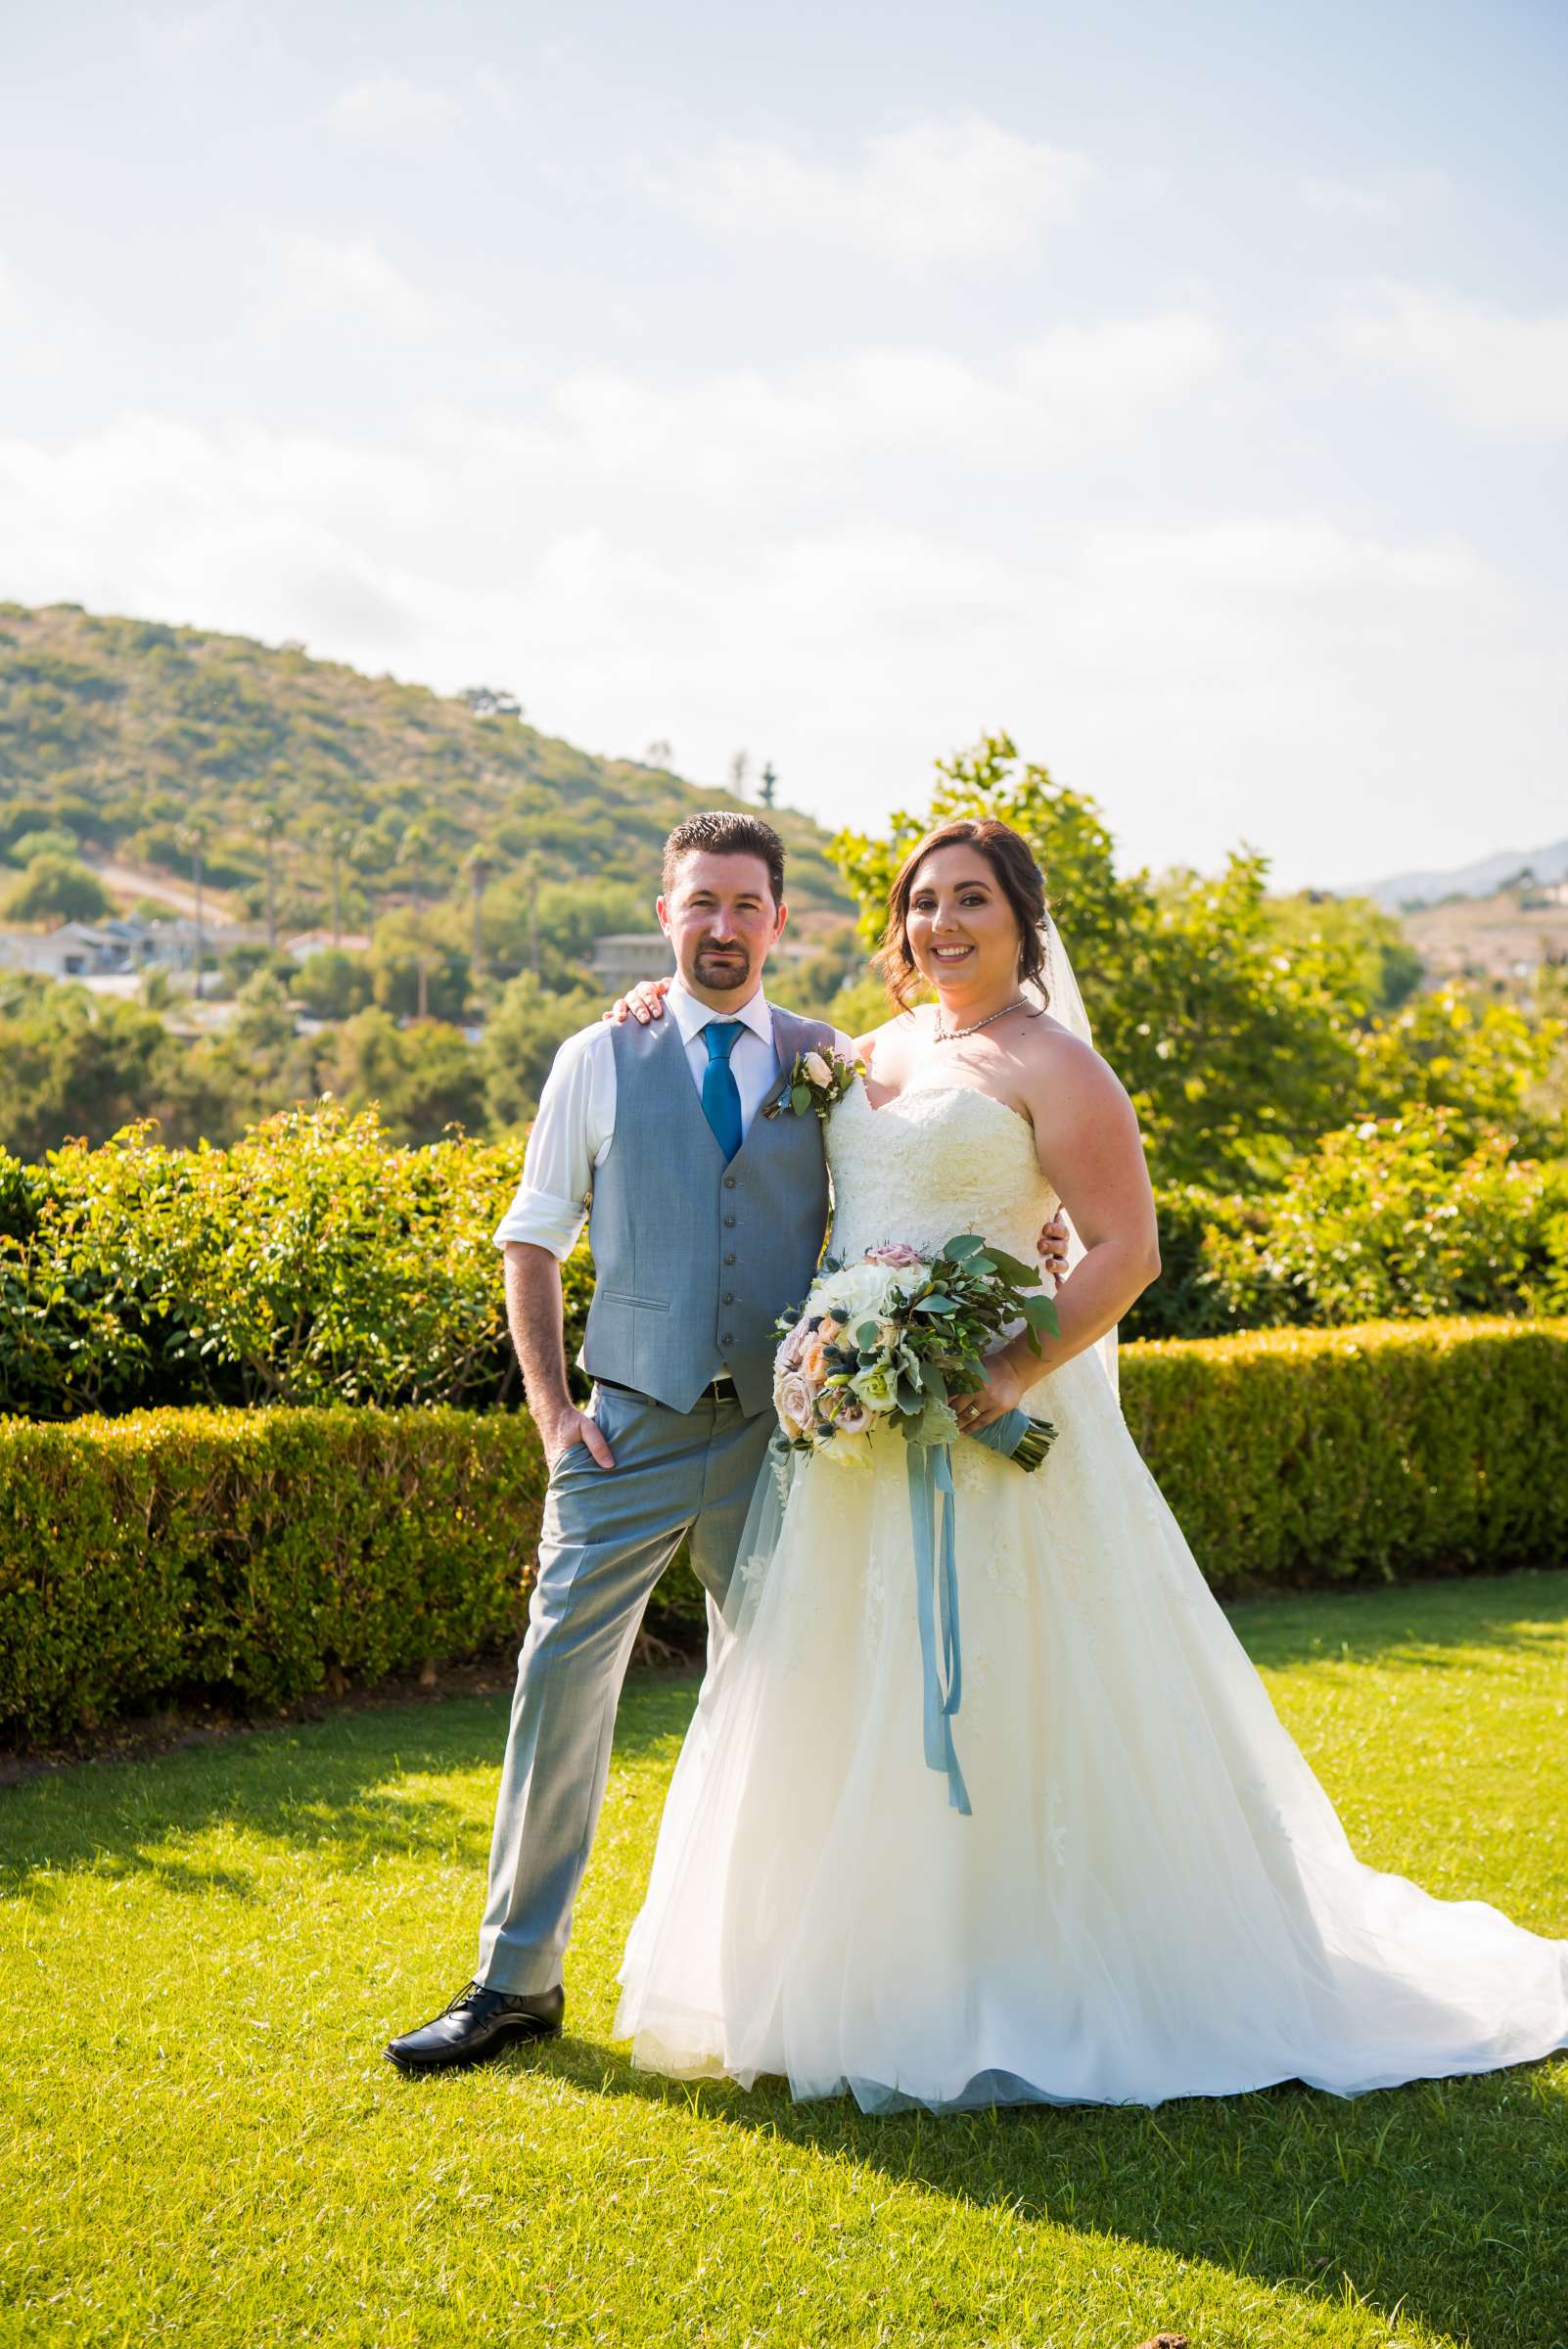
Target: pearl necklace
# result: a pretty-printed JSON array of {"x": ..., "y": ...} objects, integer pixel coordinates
[{"x": 950, "y": 1035}]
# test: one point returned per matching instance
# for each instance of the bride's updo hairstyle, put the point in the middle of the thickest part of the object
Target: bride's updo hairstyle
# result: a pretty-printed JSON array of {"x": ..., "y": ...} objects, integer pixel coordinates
[{"x": 1017, "y": 877}]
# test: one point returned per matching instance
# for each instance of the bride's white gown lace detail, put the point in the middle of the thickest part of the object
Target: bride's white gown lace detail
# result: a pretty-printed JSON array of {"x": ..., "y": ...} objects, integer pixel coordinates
[{"x": 1153, "y": 1895}]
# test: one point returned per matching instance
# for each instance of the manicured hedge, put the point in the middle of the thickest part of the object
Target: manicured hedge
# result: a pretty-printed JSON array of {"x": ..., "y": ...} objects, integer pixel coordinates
[
  {"x": 251, "y": 1551},
  {"x": 256, "y": 1550},
  {"x": 1370, "y": 1452}
]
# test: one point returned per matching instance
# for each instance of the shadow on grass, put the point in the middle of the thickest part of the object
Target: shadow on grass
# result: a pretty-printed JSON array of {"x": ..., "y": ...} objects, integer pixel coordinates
[
  {"x": 1444, "y": 2199},
  {"x": 336, "y": 1787},
  {"x": 339, "y": 1785}
]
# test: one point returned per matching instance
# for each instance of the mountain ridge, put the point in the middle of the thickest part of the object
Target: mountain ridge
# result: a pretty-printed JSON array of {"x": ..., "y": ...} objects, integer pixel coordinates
[{"x": 1479, "y": 879}]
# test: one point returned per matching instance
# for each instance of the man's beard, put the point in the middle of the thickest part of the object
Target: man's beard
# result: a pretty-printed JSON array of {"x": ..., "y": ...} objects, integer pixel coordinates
[{"x": 720, "y": 975}]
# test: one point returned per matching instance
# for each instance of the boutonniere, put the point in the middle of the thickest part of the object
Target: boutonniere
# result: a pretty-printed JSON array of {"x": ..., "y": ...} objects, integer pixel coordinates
[{"x": 816, "y": 1080}]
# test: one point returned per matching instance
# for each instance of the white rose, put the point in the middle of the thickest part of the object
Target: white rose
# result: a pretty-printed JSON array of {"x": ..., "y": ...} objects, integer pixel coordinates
[
  {"x": 859, "y": 1293},
  {"x": 815, "y": 1068}
]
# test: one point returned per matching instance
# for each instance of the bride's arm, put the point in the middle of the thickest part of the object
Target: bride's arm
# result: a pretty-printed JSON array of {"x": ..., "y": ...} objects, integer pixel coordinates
[{"x": 1091, "y": 1152}]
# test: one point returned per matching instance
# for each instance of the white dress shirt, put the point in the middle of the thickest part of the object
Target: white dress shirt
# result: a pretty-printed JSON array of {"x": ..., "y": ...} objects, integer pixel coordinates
[{"x": 577, "y": 1118}]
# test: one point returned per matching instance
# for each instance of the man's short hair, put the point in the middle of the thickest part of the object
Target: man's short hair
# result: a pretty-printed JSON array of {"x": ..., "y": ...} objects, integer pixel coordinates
[{"x": 724, "y": 832}]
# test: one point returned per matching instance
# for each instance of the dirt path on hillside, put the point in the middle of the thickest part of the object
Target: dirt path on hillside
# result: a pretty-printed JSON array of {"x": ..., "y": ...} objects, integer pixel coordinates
[{"x": 177, "y": 896}]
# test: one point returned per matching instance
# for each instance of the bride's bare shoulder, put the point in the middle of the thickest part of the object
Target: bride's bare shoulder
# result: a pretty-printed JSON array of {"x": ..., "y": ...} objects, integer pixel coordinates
[
  {"x": 889, "y": 1042},
  {"x": 1053, "y": 1055}
]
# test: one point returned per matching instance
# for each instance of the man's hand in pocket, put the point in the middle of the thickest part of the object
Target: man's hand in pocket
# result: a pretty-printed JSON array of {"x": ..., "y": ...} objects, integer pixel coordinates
[{"x": 575, "y": 1427}]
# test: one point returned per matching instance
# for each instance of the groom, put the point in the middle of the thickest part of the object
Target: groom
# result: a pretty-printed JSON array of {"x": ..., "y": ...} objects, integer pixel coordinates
[{"x": 706, "y": 1221}]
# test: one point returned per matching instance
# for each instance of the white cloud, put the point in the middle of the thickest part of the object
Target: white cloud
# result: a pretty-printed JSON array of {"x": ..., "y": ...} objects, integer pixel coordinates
[
  {"x": 1394, "y": 198},
  {"x": 388, "y": 105},
  {"x": 319, "y": 274},
  {"x": 1500, "y": 371},
  {"x": 638, "y": 563},
  {"x": 1113, "y": 372},
  {"x": 932, "y": 192}
]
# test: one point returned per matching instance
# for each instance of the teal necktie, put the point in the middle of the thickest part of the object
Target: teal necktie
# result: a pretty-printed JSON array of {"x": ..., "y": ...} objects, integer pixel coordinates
[{"x": 721, "y": 1093}]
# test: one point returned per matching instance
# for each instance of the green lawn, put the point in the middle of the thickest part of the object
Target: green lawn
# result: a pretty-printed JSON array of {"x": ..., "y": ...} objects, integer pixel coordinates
[{"x": 203, "y": 1954}]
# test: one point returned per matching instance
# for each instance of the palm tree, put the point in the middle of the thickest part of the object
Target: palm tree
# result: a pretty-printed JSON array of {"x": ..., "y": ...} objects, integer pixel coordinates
[
  {"x": 478, "y": 869},
  {"x": 269, "y": 824},
  {"x": 415, "y": 850},
  {"x": 337, "y": 839},
  {"x": 192, "y": 838}
]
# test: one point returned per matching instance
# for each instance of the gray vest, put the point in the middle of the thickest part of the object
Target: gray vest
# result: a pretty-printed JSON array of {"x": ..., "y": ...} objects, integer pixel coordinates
[{"x": 694, "y": 1261}]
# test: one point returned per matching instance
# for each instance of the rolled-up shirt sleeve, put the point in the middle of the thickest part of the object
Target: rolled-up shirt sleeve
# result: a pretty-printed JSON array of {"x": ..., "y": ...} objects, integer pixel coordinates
[{"x": 570, "y": 1136}]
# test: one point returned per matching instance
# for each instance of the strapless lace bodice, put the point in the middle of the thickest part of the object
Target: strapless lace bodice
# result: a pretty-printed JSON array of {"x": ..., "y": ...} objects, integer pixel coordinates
[{"x": 938, "y": 1160}]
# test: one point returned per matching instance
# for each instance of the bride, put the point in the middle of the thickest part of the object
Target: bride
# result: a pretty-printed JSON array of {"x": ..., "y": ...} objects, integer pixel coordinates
[{"x": 1151, "y": 1895}]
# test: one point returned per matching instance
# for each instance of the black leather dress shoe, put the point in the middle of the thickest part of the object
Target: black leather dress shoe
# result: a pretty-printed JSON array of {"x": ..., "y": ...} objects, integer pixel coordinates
[{"x": 477, "y": 2025}]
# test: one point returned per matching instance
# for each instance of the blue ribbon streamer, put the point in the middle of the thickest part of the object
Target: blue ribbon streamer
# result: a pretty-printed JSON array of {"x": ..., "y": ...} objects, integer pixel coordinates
[{"x": 936, "y": 1608}]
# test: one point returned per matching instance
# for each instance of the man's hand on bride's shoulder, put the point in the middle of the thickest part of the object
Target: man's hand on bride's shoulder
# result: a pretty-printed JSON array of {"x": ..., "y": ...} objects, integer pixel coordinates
[
  {"x": 644, "y": 1002},
  {"x": 1052, "y": 1249}
]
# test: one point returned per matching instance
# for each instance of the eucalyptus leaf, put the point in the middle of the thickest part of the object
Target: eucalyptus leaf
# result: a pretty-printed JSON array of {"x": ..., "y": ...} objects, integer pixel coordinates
[{"x": 1023, "y": 1276}]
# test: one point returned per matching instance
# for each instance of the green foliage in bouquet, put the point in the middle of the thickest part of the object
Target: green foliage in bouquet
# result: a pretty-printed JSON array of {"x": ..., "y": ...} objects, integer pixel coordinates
[{"x": 844, "y": 1365}]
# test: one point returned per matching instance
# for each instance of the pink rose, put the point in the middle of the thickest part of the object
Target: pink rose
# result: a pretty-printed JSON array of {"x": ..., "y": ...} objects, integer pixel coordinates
[
  {"x": 844, "y": 1408},
  {"x": 897, "y": 1253},
  {"x": 792, "y": 1352},
  {"x": 794, "y": 1404}
]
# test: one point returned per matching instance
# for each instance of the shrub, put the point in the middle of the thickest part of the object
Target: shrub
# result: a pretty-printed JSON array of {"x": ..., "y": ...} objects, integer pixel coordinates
[
  {"x": 256, "y": 1550},
  {"x": 1388, "y": 1219},
  {"x": 310, "y": 1264},
  {"x": 1304, "y": 1457},
  {"x": 56, "y": 889}
]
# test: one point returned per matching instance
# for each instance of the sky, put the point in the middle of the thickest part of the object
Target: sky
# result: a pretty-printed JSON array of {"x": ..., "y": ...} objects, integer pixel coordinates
[{"x": 1182, "y": 388}]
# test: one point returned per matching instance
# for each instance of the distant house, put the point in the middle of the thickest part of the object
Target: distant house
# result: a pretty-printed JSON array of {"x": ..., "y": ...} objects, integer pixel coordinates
[
  {"x": 624, "y": 958},
  {"x": 101, "y": 950},
  {"x": 322, "y": 942}
]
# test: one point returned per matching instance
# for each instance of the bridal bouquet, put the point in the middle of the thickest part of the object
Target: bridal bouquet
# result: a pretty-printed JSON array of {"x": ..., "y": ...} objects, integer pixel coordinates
[{"x": 889, "y": 1340}]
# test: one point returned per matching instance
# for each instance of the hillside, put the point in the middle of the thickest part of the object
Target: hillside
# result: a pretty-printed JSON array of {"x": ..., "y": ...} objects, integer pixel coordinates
[
  {"x": 128, "y": 733},
  {"x": 1482, "y": 879}
]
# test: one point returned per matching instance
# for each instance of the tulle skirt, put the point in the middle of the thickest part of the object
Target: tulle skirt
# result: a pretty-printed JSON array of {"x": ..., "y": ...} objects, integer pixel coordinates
[{"x": 1151, "y": 1897}]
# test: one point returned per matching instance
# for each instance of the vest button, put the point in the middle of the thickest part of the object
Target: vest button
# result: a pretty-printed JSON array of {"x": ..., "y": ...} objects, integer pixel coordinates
[
  {"x": 731, "y": 1259},
  {"x": 729, "y": 1222},
  {"x": 729, "y": 1183},
  {"x": 726, "y": 1340},
  {"x": 728, "y": 1298}
]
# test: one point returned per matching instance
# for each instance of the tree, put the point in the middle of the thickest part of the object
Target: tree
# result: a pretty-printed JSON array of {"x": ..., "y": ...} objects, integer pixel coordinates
[
  {"x": 767, "y": 789},
  {"x": 739, "y": 768},
  {"x": 424, "y": 1077},
  {"x": 191, "y": 838},
  {"x": 415, "y": 976},
  {"x": 334, "y": 984},
  {"x": 478, "y": 869},
  {"x": 269, "y": 825},
  {"x": 57, "y": 889},
  {"x": 1235, "y": 1052},
  {"x": 525, "y": 1030},
  {"x": 490, "y": 701}
]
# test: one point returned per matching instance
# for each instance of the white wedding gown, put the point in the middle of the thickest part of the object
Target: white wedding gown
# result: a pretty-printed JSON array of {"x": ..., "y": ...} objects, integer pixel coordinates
[{"x": 1152, "y": 1896}]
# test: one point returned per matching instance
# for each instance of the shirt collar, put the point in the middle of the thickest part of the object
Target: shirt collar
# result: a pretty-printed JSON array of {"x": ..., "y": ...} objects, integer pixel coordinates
[{"x": 692, "y": 1017}]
